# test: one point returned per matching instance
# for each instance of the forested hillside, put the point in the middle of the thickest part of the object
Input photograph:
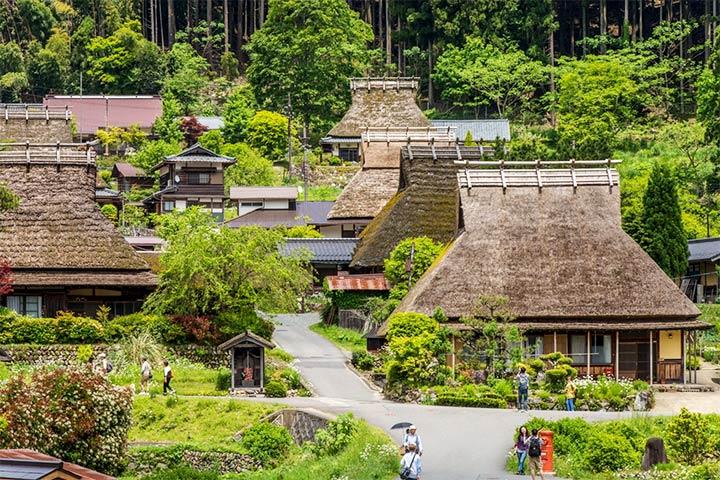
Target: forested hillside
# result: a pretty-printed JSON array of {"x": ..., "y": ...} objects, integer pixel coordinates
[{"x": 634, "y": 79}]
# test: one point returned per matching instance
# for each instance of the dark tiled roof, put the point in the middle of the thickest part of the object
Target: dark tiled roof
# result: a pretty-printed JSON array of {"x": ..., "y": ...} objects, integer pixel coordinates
[
  {"x": 307, "y": 213},
  {"x": 706, "y": 249},
  {"x": 324, "y": 250},
  {"x": 127, "y": 170},
  {"x": 195, "y": 153},
  {"x": 104, "y": 192}
]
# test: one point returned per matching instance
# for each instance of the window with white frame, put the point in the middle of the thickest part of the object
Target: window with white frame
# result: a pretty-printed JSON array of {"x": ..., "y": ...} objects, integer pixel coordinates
[
  {"x": 168, "y": 206},
  {"x": 28, "y": 305}
]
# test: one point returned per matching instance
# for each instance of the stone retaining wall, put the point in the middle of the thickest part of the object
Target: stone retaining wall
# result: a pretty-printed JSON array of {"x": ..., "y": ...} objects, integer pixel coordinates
[
  {"x": 145, "y": 461},
  {"x": 67, "y": 354},
  {"x": 301, "y": 423}
]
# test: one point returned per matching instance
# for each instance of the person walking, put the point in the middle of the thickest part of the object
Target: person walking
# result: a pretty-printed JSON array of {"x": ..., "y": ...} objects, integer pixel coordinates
[
  {"x": 535, "y": 445},
  {"x": 411, "y": 437},
  {"x": 167, "y": 377},
  {"x": 570, "y": 392},
  {"x": 523, "y": 382},
  {"x": 104, "y": 366},
  {"x": 521, "y": 448},
  {"x": 145, "y": 375},
  {"x": 410, "y": 466}
]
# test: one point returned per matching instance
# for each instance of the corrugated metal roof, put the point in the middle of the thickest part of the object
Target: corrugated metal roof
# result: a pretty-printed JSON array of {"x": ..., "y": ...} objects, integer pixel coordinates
[
  {"x": 706, "y": 249},
  {"x": 211, "y": 123},
  {"x": 25, "y": 455},
  {"x": 360, "y": 282},
  {"x": 324, "y": 250},
  {"x": 253, "y": 193},
  {"x": 485, "y": 130},
  {"x": 104, "y": 192},
  {"x": 127, "y": 170},
  {"x": 93, "y": 112}
]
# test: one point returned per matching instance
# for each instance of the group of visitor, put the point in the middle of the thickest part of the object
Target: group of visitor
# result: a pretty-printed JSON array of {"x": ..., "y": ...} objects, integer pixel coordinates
[
  {"x": 146, "y": 377},
  {"x": 411, "y": 450},
  {"x": 523, "y": 386},
  {"x": 528, "y": 447}
]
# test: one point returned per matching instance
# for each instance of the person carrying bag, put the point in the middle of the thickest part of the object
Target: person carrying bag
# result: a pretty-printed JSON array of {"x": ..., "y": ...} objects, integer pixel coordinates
[{"x": 410, "y": 466}]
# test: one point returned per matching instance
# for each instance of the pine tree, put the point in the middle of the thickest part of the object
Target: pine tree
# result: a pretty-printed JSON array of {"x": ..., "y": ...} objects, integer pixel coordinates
[{"x": 662, "y": 235}]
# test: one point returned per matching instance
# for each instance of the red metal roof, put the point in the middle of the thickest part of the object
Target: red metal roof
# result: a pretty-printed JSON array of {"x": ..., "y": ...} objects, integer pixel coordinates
[
  {"x": 26, "y": 454},
  {"x": 90, "y": 111},
  {"x": 366, "y": 281}
]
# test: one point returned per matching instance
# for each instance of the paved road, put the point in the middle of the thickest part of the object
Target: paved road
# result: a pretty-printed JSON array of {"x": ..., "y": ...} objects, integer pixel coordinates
[{"x": 460, "y": 443}]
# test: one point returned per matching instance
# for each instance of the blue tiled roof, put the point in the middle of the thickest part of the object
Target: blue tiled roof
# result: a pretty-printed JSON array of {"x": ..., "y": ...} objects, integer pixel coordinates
[
  {"x": 486, "y": 130},
  {"x": 706, "y": 249},
  {"x": 324, "y": 250}
]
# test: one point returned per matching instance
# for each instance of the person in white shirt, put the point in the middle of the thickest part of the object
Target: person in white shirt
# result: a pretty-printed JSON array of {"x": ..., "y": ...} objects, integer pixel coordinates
[
  {"x": 145, "y": 375},
  {"x": 411, "y": 437},
  {"x": 410, "y": 466},
  {"x": 167, "y": 376}
]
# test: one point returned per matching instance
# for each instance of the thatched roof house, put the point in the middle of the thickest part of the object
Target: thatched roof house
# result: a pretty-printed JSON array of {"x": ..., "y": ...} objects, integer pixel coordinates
[
  {"x": 377, "y": 103},
  {"x": 378, "y": 181},
  {"x": 550, "y": 240},
  {"x": 63, "y": 252},
  {"x": 427, "y": 202}
]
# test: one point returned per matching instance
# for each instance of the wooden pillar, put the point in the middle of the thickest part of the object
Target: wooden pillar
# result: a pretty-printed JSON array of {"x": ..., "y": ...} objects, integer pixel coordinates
[
  {"x": 555, "y": 341},
  {"x": 262, "y": 368},
  {"x": 232, "y": 368},
  {"x": 587, "y": 374},
  {"x": 651, "y": 357},
  {"x": 617, "y": 355},
  {"x": 683, "y": 356}
]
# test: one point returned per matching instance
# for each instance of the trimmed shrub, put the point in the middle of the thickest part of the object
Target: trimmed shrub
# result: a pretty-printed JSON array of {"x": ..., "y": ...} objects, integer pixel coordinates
[
  {"x": 291, "y": 378},
  {"x": 362, "y": 360},
  {"x": 689, "y": 438},
  {"x": 158, "y": 325},
  {"x": 275, "y": 389},
  {"x": 606, "y": 452},
  {"x": 223, "y": 381},
  {"x": 185, "y": 473},
  {"x": 333, "y": 439},
  {"x": 410, "y": 324},
  {"x": 484, "y": 401},
  {"x": 266, "y": 442},
  {"x": 71, "y": 414},
  {"x": 84, "y": 353},
  {"x": 34, "y": 330},
  {"x": 72, "y": 329}
]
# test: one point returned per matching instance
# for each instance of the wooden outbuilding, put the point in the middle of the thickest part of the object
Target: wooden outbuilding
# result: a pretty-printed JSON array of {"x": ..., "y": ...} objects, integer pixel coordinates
[{"x": 247, "y": 360}]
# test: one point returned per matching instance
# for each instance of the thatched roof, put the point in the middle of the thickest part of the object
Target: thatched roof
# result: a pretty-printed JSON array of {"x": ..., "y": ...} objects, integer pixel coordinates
[
  {"x": 380, "y": 103},
  {"x": 558, "y": 253},
  {"x": 58, "y": 230},
  {"x": 427, "y": 204},
  {"x": 366, "y": 194}
]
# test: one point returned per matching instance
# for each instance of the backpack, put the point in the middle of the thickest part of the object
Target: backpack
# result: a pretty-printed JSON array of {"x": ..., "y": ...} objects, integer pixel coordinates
[
  {"x": 407, "y": 471},
  {"x": 523, "y": 382},
  {"x": 534, "y": 450}
]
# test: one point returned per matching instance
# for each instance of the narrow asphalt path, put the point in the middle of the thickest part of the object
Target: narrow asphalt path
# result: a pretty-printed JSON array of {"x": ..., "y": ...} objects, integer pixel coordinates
[{"x": 459, "y": 443}]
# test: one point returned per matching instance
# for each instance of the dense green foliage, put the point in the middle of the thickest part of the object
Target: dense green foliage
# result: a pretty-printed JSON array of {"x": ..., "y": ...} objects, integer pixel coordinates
[
  {"x": 423, "y": 250},
  {"x": 267, "y": 442}
]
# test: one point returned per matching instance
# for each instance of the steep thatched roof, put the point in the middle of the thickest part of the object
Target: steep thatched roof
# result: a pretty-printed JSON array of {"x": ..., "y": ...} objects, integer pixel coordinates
[
  {"x": 58, "y": 231},
  {"x": 366, "y": 194},
  {"x": 378, "y": 102},
  {"x": 427, "y": 203},
  {"x": 558, "y": 253}
]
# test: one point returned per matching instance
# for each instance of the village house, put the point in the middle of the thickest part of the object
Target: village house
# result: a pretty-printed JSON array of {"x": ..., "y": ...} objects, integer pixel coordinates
[
  {"x": 547, "y": 236},
  {"x": 700, "y": 283},
  {"x": 328, "y": 256},
  {"x": 129, "y": 177},
  {"x": 376, "y": 103},
  {"x": 26, "y": 464},
  {"x": 370, "y": 189},
  {"x": 193, "y": 177},
  {"x": 95, "y": 112},
  {"x": 278, "y": 207},
  {"x": 64, "y": 254}
]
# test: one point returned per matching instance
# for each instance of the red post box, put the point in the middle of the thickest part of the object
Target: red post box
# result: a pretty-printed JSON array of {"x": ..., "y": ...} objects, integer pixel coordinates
[{"x": 547, "y": 451}]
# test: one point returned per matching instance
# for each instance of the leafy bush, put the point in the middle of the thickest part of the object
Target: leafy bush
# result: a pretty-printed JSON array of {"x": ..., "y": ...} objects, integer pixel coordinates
[
  {"x": 609, "y": 453},
  {"x": 223, "y": 381},
  {"x": 362, "y": 360},
  {"x": 275, "y": 389},
  {"x": 95, "y": 417},
  {"x": 491, "y": 400},
  {"x": 186, "y": 473},
  {"x": 266, "y": 442},
  {"x": 689, "y": 438},
  {"x": 158, "y": 325},
  {"x": 34, "y": 330},
  {"x": 333, "y": 439},
  {"x": 416, "y": 361},
  {"x": 410, "y": 324},
  {"x": 289, "y": 377},
  {"x": 134, "y": 348},
  {"x": 425, "y": 250},
  {"x": 84, "y": 353},
  {"x": 72, "y": 329}
]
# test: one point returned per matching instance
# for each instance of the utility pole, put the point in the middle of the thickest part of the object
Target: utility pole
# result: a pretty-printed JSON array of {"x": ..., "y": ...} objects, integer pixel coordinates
[
  {"x": 304, "y": 166},
  {"x": 288, "y": 110}
]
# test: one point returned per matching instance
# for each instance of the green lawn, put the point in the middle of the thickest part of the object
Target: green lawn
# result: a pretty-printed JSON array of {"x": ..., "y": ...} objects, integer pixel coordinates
[
  {"x": 188, "y": 379},
  {"x": 344, "y": 338},
  {"x": 371, "y": 455},
  {"x": 206, "y": 422}
]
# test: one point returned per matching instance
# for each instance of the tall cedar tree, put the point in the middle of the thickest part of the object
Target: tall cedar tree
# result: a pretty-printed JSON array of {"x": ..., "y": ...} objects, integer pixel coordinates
[
  {"x": 307, "y": 50},
  {"x": 663, "y": 237}
]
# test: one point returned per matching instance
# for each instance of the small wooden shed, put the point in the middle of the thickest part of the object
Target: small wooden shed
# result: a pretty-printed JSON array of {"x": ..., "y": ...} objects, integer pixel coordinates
[{"x": 247, "y": 360}]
